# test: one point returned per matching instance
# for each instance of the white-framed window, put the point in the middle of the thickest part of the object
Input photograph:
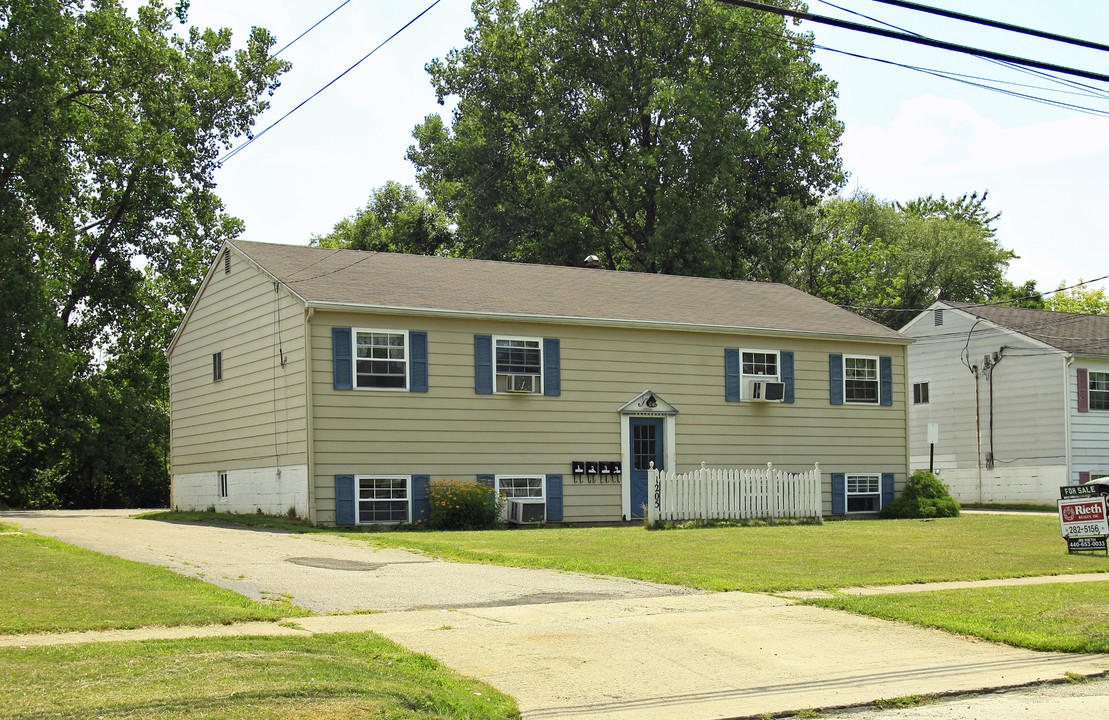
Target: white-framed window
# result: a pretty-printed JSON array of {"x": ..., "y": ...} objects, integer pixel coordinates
[
  {"x": 864, "y": 493},
  {"x": 380, "y": 358},
  {"x": 860, "y": 379},
  {"x": 222, "y": 477},
  {"x": 1099, "y": 390},
  {"x": 920, "y": 393},
  {"x": 519, "y": 486},
  {"x": 382, "y": 498},
  {"x": 518, "y": 364},
  {"x": 757, "y": 365}
]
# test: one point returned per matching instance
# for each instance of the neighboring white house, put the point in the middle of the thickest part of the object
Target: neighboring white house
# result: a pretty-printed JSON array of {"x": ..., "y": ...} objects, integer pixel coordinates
[{"x": 1020, "y": 398}]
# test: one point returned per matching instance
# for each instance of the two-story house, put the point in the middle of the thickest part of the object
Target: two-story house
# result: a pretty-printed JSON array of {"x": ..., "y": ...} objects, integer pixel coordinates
[
  {"x": 1019, "y": 399},
  {"x": 338, "y": 383}
]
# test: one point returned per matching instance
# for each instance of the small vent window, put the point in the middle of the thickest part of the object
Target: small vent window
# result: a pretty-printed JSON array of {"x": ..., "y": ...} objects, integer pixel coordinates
[
  {"x": 937, "y": 317},
  {"x": 226, "y": 262},
  {"x": 223, "y": 485},
  {"x": 217, "y": 366}
]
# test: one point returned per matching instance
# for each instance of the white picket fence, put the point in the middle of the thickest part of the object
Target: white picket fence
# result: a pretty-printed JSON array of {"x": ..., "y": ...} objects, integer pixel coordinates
[{"x": 732, "y": 494}]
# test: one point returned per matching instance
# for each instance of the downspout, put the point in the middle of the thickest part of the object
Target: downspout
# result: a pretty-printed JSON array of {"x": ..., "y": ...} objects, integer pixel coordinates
[
  {"x": 1068, "y": 360},
  {"x": 309, "y": 412}
]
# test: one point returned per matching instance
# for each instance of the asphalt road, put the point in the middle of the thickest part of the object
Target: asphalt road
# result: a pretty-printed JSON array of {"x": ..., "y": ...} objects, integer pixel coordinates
[{"x": 573, "y": 646}]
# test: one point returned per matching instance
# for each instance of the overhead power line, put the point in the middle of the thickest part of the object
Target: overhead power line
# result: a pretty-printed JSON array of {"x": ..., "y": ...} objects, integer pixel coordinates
[
  {"x": 334, "y": 80},
  {"x": 966, "y": 49},
  {"x": 995, "y": 24},
  {"x": 298, "y": 37}
]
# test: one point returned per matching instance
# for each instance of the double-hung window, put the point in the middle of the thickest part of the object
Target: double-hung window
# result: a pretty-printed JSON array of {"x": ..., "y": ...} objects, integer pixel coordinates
[
  {"x": 757, "y": 366},
  {"x": 864, "y": 493},
  {"x": 1099, "y": 390},
  {"x": 382, "y": 499},
  {"x": 520, "y": 487},
  {"x": 860, "y": 379},
  {"x": 518, "y": 364},
  {"x": 380, "y": 359}
]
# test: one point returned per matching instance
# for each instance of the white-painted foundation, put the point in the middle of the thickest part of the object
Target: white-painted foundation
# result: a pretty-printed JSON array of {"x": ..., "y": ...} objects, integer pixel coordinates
[
  {"x": 272, "y": 490},
  {"x": 1037, "y": 485}
]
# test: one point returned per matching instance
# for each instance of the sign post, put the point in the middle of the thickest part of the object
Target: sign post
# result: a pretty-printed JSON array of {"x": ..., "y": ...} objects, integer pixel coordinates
[
  {"x": 933, "y": 438},
  {"x": 1084, "y": 522}
]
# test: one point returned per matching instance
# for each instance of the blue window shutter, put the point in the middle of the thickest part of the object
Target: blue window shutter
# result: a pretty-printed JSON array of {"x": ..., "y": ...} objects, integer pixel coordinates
[
  {"x": 483, "y": 364},
  {"x": 344, "y": 500},
  {"x": 343, "y": 367},
  {"x": 887, "y": 488},
  {"x": 554, "y": 497},
  {"x": 839, "y": 493},
  {"x": 835, "y": 378},
  {"x": 552, "y": 367},
  {"x": 417, "y": 362},
  {"x": 731, "y": 374},
  {"x": 421, "y": 499},
  {"x": 885, "y": 380},
  {"x": 786, "y": 359}
]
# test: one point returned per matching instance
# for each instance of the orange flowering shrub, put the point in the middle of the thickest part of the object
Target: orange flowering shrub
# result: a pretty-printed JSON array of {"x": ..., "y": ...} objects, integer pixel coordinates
[{"x": 463, "y": 506}]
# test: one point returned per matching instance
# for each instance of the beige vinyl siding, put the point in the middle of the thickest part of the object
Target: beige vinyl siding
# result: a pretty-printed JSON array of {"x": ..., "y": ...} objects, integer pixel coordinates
[
  {"x": 452, "y": 432},
  {"x": 255, "y": 416}
]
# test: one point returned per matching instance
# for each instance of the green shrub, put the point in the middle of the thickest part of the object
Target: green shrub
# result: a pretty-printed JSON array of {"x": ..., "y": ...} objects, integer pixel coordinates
[
  {"x": 464, "y": 506},
  {"x": 924, "y": 496}
]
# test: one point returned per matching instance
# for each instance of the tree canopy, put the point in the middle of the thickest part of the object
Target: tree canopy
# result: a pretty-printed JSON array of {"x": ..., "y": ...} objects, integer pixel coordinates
[
  {"x": 684, "y": 137},
  {"x": 1084, "y": 299},
  {"x": 887, "y": 259},
  {"x": 110, "y": 130},
  {"x": 396, "y": 219}
]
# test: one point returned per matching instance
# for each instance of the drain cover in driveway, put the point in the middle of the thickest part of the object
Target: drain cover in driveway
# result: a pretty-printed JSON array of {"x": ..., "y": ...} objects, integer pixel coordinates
[{"x": 327, "y": 563}]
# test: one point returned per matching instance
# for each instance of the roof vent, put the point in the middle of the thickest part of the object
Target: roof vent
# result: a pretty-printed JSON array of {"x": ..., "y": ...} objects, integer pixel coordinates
[{"x": 592, "y": 261}]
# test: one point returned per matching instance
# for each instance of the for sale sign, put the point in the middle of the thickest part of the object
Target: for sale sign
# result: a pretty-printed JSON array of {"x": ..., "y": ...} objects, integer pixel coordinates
[{"x": 1082, "y": 517}]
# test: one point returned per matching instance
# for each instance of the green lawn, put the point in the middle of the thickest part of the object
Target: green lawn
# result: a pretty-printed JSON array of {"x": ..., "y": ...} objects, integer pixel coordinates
[
  {"x": 49, "y": 586},
  {"x": 1065, "y": 617},
  {"x": 777, "y": 558},
  {"x": 326, "y": 676}
]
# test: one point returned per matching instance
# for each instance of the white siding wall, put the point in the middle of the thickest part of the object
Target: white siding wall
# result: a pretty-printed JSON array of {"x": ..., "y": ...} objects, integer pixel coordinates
[
  {"x": 253, "y": 420},
  {"x": 1029, "y": 413},
  {"x": 1089, "y": 430},
  {"x": 451, "y": 432}
]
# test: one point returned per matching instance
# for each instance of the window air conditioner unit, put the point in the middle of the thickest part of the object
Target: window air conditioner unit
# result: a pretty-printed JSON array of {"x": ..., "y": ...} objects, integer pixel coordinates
[
  {"x": 521, "y": 383},
  {"x": 768, "y": 391},
  {"x": 522, "y": 511}
]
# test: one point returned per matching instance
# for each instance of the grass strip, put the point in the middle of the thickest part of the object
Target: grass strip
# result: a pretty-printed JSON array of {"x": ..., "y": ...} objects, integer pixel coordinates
[
  {"x": 50, "y": 586},
  {"x": 326, "y": 676},
  {"x": 1059, "y": 617},
  {"x": 777, "y": 558}
]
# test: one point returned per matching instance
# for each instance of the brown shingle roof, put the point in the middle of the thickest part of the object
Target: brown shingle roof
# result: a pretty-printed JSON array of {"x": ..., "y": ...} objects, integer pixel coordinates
[
  {"x": 1071, "y": 332},
  {"x": 323, "y": 276}
]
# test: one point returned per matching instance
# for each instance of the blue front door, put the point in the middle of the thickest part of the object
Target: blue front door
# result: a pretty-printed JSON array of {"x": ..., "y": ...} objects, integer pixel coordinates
[{"x": 646, "y": 440}]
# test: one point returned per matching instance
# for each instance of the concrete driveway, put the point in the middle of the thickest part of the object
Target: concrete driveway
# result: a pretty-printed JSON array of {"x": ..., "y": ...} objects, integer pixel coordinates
[{"x": 567, "y": 645}]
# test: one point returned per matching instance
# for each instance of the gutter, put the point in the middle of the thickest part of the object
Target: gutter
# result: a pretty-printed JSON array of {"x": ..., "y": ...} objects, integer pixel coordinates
[{"x": 309, "y": 414}]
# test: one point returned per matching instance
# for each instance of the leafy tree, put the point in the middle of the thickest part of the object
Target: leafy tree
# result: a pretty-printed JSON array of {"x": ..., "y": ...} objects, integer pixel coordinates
[
  {"x": 396, "y": 219},
  {"x": 684, "y": 137},
  {"x": 1086, "y": 300},
  {"x": 110, "y": 130},
  {"x": 887, "y": 260}
]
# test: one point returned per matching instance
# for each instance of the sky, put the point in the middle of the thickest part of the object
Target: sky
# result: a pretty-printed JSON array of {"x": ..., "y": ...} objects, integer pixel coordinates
[{"x": 907, "y": 133}]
